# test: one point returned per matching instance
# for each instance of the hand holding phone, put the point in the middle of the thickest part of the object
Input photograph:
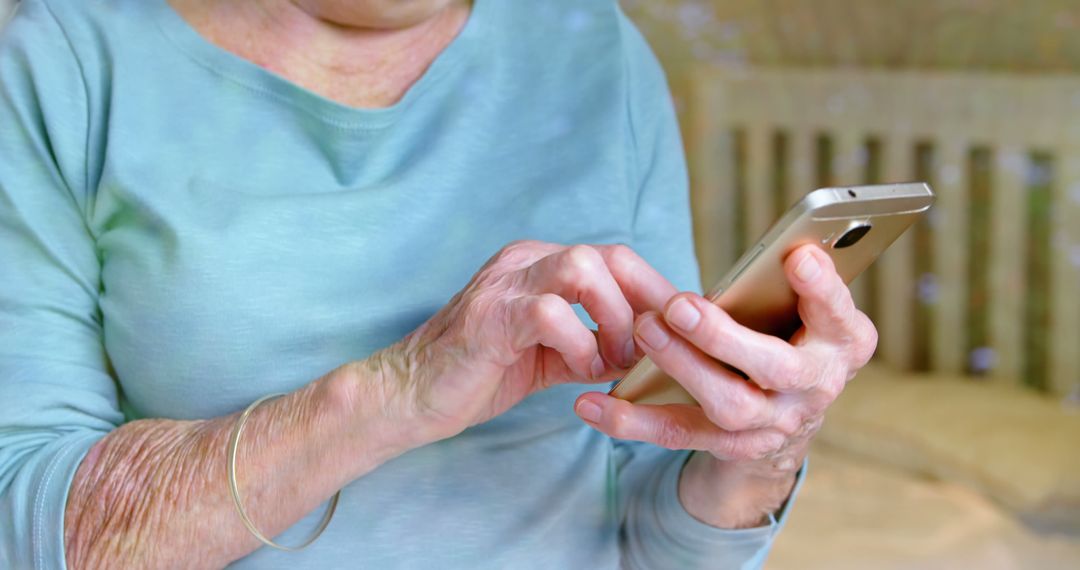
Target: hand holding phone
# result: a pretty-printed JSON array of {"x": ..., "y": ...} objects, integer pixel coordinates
[
  {"x": 852, "y": 225},
  {"x": 753, "y": 417}
]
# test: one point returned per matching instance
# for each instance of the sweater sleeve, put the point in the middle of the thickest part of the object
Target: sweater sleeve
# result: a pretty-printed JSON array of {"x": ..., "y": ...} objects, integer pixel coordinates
[
  {"x": 57, "y": 397},
  {"x": 657, "y": 531}
]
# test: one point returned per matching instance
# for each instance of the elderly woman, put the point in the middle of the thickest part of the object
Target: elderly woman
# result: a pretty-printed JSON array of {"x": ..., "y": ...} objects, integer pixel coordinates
[{"x": 204, "y": 203}]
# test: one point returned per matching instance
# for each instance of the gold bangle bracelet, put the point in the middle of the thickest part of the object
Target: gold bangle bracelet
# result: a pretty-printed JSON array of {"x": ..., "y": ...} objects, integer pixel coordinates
[{"x": 234, "y": 443}]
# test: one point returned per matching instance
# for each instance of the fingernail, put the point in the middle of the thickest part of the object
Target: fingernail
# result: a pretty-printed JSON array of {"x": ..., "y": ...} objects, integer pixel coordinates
[
  {"x": 808, "y": 268},
  {"x": 589, "y": 411},
  {"x": 629, "y": 353},
  {"x": 651, "y": 334},
  {"x": 597, "y": 366},
  {"x": 683, "y": 314}
]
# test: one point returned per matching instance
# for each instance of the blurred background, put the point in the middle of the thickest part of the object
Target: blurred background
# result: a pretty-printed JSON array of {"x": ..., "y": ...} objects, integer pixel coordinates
[{"x": 959, "y": 447}]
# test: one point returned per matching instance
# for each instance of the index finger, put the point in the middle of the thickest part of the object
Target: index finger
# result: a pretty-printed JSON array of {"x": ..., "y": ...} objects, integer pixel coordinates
[
  {"x": 580, "y": 275},
  {"x": 642, "y": 285}
]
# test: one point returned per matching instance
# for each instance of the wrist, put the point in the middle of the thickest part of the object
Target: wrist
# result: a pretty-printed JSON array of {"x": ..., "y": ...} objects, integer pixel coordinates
[
  {"x": 729, "y": 494},
  {"x": 366, "y": 409}
]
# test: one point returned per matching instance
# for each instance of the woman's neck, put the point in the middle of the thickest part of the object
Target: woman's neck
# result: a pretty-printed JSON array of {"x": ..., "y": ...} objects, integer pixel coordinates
[{"x": 358, "y": 67}]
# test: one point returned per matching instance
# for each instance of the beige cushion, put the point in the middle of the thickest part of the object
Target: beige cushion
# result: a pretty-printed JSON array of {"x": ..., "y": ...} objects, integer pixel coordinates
[
  {"x": 1009, "y": 443},
  {"x": 854, "y": 514}
]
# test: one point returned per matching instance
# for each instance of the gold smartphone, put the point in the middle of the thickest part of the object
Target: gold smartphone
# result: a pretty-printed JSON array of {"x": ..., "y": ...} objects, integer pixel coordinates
[{"x": 853, "y": 224}]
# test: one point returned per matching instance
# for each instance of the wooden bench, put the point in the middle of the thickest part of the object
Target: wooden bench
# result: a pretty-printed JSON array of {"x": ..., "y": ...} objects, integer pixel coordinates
[{"x": 989, "y": 284}]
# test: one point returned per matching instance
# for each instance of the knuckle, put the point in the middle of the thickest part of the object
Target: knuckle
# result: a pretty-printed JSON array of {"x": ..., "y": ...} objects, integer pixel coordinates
[
  {"x": 757, "y": 446},
  {"x": 514, "y": 247},
  {"x": 547, "y": 309},
  {"x": 581, "y": 260},
  {"x": 735, "y": 414},
  {"x": 744, "y": 450},
  {"x": 672, "y": 434},
  {"x": 784, "y": 374},
  {"x": 808, "y": 427},
  {"x": 620, "y": 423},
  {"x": 866, "y": 341},
  {"x": 790, "y": 422},
  {"x": 622, "y": 256},
  {"x": 746, "y": 403},
  {"x": 813, "y": 426},
  {"x": 497, "y": 279},
  {"x": 516, "y": 252},
  {"x": 768, "y": 445}
]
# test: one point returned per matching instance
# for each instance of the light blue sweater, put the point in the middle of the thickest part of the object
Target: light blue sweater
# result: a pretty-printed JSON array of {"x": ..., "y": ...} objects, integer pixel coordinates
[{"x": 182, "y": 232}]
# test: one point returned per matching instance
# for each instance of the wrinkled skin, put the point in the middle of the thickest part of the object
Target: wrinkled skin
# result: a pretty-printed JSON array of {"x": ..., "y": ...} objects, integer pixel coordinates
[
  {"x": 772, "y": 418},
  {"x": 512, "y": 332}
]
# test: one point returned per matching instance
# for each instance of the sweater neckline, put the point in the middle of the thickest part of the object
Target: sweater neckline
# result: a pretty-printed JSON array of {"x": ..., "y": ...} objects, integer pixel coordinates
[{"x": 265, "y": 82}]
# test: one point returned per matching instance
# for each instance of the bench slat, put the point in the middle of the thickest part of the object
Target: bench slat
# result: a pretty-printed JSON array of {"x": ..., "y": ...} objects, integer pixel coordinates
[
  {"x": 1064, "y": 366},
  {"x": 950, "y": 226},
  {"x": 759, "y": 193},
  {"x": 1008, "y": 242},
  {"x": 897, "y": 269}
]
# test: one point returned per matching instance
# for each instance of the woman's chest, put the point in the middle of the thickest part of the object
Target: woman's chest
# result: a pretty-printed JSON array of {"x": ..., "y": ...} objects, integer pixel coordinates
[{"x": 226, "y": 284}]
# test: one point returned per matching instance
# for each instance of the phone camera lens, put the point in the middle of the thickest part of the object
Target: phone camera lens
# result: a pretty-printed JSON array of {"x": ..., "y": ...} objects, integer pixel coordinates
[{"x": 852, "y": 236}]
